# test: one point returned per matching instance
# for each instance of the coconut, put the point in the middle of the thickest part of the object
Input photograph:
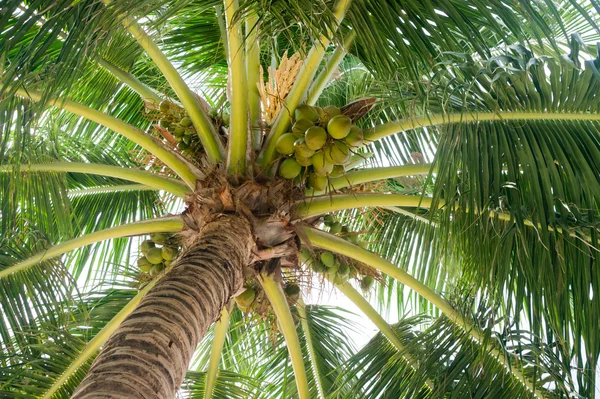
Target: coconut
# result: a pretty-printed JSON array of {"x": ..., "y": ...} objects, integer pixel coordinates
[
  {"x": 335, "y": 228},
  {"x": 303, "y": 161},
  {"x": 355, "y": 138},
  {"x": 187, "y": 139},
  {"x": 329, "y": 220},
  {"x": 301, "y": 126},
  {"x": 159, "y": 238},
  {"x": 337, "y": 153},
  {"x": 339, "y": 279},
  {"x": 289, "y": 168},
  {"x": 293, "y": 292},
  {"x": 144, "y": 264},
  {"x": 363, "y": 244},
  {"x": 169, "y": 253},
  {"x": 182, "y": 145},
  {"x": 164, "y": 123},
  {"x": 154, "y": 255},
  {"x": 305, "y": 111},
  {"x": 319, "y": 183},
  {"x": 146, "y": 245},
  {"x": 164, "y": 106},
  {"x": 246, "y": 298},
  {"x": 344, "y": 270},
  {"x": 338, "y": 171},
  {"x": 317, "y": 266},
  {"x": 321, "y": 166},
  {"x": 226, "y": 119},
  {"x": 339, "y": 126},
  {"x": 315, "y": 137},
  {"x": 328, "y": 259},
  {"x": 329, "y": 112},
  {"x": 302, "y": 149},
  {"x": 285, "y": 144},
  {"x": 185, "y": 121},
  {"x": 367, "y": 283}
]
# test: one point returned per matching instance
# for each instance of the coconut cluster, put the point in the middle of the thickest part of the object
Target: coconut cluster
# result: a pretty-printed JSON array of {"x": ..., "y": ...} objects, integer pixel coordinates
[
  {"x": 254, "y": 299},
  {"x": 158, "y": 252},
  {"x": 319, "y": 146},
  {"x": 175, "y": 120}
]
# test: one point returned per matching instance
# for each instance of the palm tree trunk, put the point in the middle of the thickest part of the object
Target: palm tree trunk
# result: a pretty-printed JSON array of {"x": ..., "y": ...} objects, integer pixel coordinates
[{"x": 148, "y": 356}]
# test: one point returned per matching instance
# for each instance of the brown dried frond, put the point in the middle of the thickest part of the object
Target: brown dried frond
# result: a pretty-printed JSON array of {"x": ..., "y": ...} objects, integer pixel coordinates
[{"x": 273, "y": 92}]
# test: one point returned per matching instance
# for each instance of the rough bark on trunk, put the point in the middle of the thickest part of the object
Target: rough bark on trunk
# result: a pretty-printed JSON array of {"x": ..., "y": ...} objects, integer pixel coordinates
[{"x": 148, "y": 356}]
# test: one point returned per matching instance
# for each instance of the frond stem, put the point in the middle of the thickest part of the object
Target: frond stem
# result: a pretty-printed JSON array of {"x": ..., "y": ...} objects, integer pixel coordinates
[
  {"x": 110, "y": 189},
  {"x": 284, "y": 317},
  {"x": 330, "y": 67},
  {"x": 338, "y": 245},
  {"x": 220, "y": 333},
  {"x": 149, "y": 143},
  {"x": 170, "y": 224},
  {"x": 309, "y": 346},
  {"x": 238, "y": 128},
  {"x": 387, "y": 129},
  {"x": 173, "y": 186},
  {"x": 96, "y": 343},
  {"x": 254, "y": 77},
  {"x": 331, "y": 203},
  {"x": 130, "y": 80}
]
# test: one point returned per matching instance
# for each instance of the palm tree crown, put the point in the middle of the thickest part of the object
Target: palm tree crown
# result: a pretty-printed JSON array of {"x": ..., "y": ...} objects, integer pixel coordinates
[{"x": 435, "y": 159}]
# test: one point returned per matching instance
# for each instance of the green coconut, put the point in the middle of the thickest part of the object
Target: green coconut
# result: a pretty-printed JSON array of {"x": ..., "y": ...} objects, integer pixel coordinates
[
  {"x": 367, "y": 283},
  {"x": 317, "y": 266},
  {"x": 338, "y": 171},
  {"x": 339, "y": 279},
  {"x": 363, "y": 244},
  {"x": 355, "y": 138},
  {"x": 156, "y": 269},
  {"x": 185, "y": 121},
  {"x": 315, "y": 137},
  {"x": 328, "y": 259},
  {"x": 246, "y": 298},
  {"x": 345, "y": 229},
  {"x": 169, "y": 253},
  {"x": 344, "y": 270},
  {"x": 305, "y": 111},
  {"x": 302, "y": 149},
  {"x": 285, "y": 144},
  {"x": 146, "y": 245},
  {"x": 164, "y": 123},
  {"x": 335, "y": 228},
  {"x": 187, "y": 139},
  {"x": 319, "y": 183},
  {"x": 226, "y": 119},
  {"x": 164, "y": 106},
  {"x": 144, "y": 264},
  {"x": 293, "y": 292},
  {"x": 337, "y": 153},
  {"x": 179, "y": 133},
  {"x": 159, "y": 238},
  {"x": 289, "y": 168},
  {"x": 301, "y": 126},
  {"x": 339, "y": 126},
  {"x": 329, "y": 112},
  {"x": 329, "y": 220},
  {"x": 321, "y": 166},
  {"x": 154, "y": 255},
  {"x": 182, "y": 145},
  {"x": 303, "y": 161}
]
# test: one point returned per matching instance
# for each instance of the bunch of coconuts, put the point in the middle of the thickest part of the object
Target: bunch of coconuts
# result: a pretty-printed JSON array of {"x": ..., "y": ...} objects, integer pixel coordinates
[
  {"x": 249, "y": 300},
  {"x": 321, "y": 141},
  {"x": 156, "y": 258},
  {"x": 174, "y": 119},
  {"x": 342, "y": 230},
  {"x": 335, "y": 269}
]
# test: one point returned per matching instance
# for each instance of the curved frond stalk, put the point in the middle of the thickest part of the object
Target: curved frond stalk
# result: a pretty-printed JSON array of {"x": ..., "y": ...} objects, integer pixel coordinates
[
  {"x": 139, "y": 176},
  {"x": 317, "y": 206},
  {"x": 381, "y": 324},
  {"x": 221, "y": 327},
  {"x": 310, "y": 347},
  {"x": 170, "y": 224},
  {"x": 110, "y": 189},
  {"x": 149, "y": 143},
  {"x": 330, "y": 67},
  {"x": 390, "y": 128},
  {"x": 201, "y": 121},
  {"x": 96, "y": 343},
  {"x": 253, "y": 77},
  {"x": 284, "y": 317},
  {"x": 373, "y": 174},
  {"x": 299, "y": 89},
  {"x": 338, "y": 245},
  {"x": 130, "y": 80},
  {"x": 238, "y": 128}
]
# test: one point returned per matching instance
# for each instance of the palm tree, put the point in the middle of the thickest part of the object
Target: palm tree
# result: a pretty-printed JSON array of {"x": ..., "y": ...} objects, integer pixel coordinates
[{"x": 434, "y": 162}]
